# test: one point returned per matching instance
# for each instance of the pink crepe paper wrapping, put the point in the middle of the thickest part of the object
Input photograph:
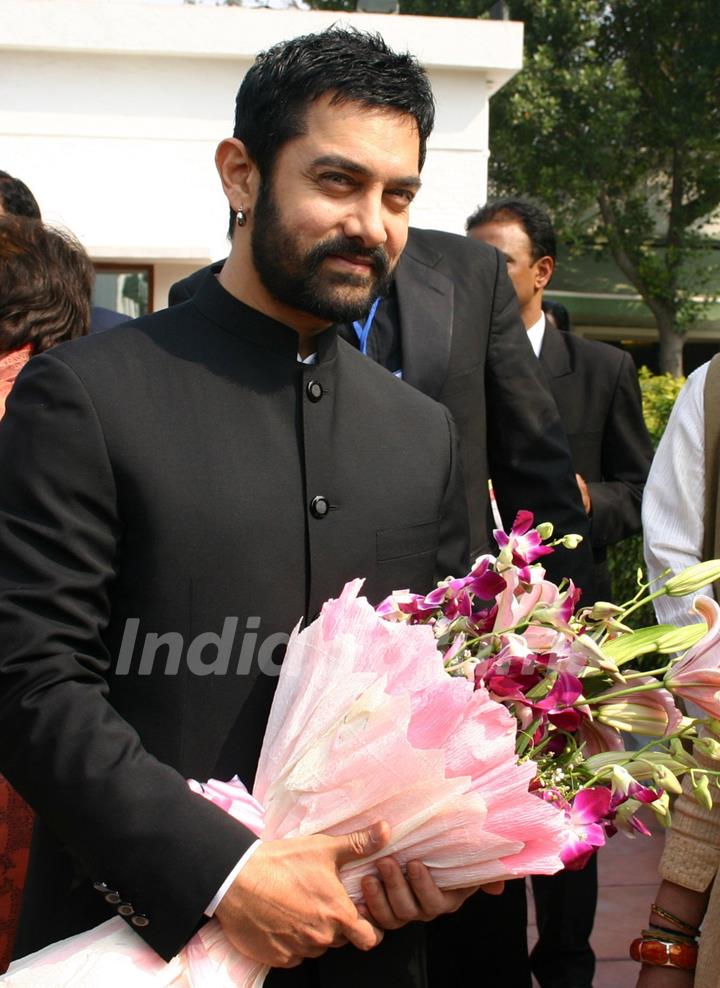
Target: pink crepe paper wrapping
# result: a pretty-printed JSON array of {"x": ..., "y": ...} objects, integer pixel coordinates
[{"x": 365, "y": 725}]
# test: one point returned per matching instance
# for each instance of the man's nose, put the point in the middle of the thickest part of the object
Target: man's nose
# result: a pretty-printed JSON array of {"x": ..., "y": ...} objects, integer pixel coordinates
[{"x": 366, "y": 221}]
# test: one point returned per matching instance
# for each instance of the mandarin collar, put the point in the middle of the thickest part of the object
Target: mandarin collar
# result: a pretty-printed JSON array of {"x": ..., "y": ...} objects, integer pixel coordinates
[{"x": 254, "y": 327}]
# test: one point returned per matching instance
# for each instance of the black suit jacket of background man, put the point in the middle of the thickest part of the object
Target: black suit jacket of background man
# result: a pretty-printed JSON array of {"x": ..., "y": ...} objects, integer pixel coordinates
[
  {"x": 596, "y": 390},
  {"x": 464, "y": 344},
  {"x": 167, "y": 471}
]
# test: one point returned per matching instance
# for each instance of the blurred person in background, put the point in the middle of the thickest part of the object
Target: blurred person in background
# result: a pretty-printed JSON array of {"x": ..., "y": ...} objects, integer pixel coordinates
[
  {"x": 596, "y": 391},
  {"x": 45, "y": 283},
  {"x": 46, "y": 280},
  {"x": 16, "y": 199},
  {"x": 681, "y": 524}
]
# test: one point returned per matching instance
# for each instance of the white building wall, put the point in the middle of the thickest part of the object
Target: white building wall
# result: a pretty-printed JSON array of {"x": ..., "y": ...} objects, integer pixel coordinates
[{"x": 111, "y": 112}]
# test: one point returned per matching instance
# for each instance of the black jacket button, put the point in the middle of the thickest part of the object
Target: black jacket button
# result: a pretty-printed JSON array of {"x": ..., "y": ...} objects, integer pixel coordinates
[
  {"x": 125, "y": 909},
  {"x": 140, "y": 920},
  {"x": 101, "y": 887},
  {"x": 314, "y": 390},
  {"x": 319, "y": 506},
  {"x": 113, "y": 898}
]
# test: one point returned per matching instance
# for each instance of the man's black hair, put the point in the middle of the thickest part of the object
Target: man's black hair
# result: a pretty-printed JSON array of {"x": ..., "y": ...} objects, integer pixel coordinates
[
  {"x": 16, "y": 198},
  {"x": 534, "y": 220},
  {"x": 355, "y": 66},
  {"x": 559, "y": 313}
]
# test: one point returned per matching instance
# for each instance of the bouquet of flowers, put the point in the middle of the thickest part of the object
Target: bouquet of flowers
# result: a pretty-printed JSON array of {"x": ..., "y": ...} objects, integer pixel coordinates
[
  {"x": 513, "y": 764},
  {"x": 566, "y": 676}
]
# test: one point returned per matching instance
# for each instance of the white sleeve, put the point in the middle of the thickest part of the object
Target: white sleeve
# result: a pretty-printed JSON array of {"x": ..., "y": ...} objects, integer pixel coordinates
[
  {"x": 217, "y": 898},
  {"x": 674, "y": 498}
]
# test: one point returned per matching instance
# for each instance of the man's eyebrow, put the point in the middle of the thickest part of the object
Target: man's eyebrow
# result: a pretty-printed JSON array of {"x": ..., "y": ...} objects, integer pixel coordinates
[{"x": 348, "y": 165}]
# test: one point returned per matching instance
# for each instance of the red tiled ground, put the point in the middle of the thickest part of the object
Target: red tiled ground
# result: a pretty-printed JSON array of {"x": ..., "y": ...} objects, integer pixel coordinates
[{"x": 628, "y": 880}]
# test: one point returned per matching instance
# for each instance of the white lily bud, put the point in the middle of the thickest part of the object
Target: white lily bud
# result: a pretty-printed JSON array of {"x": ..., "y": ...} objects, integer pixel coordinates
[
  {"x": 601, "y": 610},
  {"x": 680, "y": 639},
  {"x": 709, "y": 747},
  {"x": 693, "y": 578}
]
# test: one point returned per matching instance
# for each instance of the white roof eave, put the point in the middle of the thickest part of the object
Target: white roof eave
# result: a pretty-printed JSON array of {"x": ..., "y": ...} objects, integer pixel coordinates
[{"x": 187, "y": 31}]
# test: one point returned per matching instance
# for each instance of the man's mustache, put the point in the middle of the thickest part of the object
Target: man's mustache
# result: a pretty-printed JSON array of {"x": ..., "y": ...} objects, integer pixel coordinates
[{"x": 351, "y": 248}]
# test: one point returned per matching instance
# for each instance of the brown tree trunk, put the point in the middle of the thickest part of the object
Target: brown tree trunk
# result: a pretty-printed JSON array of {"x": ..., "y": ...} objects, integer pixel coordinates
[{"x": 671, "y": 345}]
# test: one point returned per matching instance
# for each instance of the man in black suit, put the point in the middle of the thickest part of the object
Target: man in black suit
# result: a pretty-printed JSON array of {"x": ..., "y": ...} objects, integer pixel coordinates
[
  {"x": 596, "y": 391},
  {"x": 230, "y": 458},
  {"x": 448, "y": 323}
]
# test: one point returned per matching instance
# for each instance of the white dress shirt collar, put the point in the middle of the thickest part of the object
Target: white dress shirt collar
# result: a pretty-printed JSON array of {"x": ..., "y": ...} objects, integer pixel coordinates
[{"x": 536, "y": 333}]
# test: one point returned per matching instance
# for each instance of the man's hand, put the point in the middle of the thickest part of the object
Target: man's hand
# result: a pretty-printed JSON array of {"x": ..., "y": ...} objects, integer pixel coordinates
[
  {"x": 288, "y": 903},
  {"x": 396, "y": 900},
  {"x": 584, "y": 493}
]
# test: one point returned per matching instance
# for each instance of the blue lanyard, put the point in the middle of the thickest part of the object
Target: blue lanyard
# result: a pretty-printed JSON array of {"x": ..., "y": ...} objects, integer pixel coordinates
[{"x": 363, "y": 329}]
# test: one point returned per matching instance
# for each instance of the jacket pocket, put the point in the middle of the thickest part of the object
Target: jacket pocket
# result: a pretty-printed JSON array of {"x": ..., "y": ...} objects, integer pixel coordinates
[{"x": 412, "y": 540}]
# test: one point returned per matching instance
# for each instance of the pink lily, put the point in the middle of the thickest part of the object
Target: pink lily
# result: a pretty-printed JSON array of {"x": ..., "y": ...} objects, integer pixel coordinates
[
  {"x": 653, "y": 714},
  {"x": 596, "y": 738},
  {"x": 696, "y": 676}
]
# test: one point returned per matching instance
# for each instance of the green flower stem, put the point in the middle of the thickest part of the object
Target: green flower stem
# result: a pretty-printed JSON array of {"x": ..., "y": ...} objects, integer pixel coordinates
[
  {"x": 645, "y": 600},
  {"x": 634, "y": 755},
  {"x": 650, "y": 672},
  {"x": 615, "y": 695}
]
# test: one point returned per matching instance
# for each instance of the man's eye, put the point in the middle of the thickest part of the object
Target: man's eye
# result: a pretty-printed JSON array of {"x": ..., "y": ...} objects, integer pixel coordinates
[
  {"x": 402, "y": 196},
  {"x": 336, "y": 179}
]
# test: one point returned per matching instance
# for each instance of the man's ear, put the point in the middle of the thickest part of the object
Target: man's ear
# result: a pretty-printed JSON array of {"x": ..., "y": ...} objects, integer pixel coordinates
[
  {"x": 543, "y": 272},
  {"x": 238, "y": 173}
]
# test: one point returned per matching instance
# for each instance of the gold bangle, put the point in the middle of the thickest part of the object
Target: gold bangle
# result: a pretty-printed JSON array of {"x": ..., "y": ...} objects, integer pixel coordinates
[{"x": 681, "y": 923}]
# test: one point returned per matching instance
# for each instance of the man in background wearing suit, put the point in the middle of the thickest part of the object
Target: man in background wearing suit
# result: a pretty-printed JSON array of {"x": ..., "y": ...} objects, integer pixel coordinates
[
  {"x": 230, "y": 457},
  {"x": 596, "y": 391}
]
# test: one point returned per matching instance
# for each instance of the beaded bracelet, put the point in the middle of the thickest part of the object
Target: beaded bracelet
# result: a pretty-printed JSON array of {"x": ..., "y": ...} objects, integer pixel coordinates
[
  {"x": 664, "y": 953},
  {"x": 686, "y": 927}
]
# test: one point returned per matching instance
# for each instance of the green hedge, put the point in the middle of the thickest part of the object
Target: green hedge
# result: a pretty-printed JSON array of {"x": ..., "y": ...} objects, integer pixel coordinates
[{"x": 659, "y": 392}]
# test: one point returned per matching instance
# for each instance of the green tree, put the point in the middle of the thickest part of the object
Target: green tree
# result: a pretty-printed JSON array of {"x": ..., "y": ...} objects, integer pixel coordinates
[{"x": 614, "y": 123}]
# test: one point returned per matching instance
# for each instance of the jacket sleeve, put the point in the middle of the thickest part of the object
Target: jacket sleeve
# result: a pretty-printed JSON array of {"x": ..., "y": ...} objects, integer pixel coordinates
[
  {"x": 626, "y": 458},
  {"x": 454, "y": 552},
  {"x": 528, "y": 452},
  {"x": 691, "y": 856},
  {"x": 128, "y": 819}
]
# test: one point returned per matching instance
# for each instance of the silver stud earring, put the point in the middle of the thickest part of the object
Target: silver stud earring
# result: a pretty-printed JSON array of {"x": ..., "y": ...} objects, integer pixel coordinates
[{"x": 241, "y": 217}]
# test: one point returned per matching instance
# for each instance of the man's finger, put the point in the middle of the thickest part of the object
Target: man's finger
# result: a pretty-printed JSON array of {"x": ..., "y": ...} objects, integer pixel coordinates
[
  {"x": 431, "y": 898},
  {"x": 381, "y": 911},
  {"x": 362, "y": 934},
  {"x": 361, "y": 843},
  {"x": 493, "y": 888}
]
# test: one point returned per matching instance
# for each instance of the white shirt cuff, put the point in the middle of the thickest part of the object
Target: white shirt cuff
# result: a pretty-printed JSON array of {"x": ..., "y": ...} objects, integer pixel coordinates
[{"x": 217, "y": 899}]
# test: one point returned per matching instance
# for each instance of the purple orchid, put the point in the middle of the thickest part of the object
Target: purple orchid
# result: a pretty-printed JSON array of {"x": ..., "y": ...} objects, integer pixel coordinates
[
  {"x": 589, "y": 808},
  {"x": 523, "y": 544},
  {"x": 558, "y": 707}
]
